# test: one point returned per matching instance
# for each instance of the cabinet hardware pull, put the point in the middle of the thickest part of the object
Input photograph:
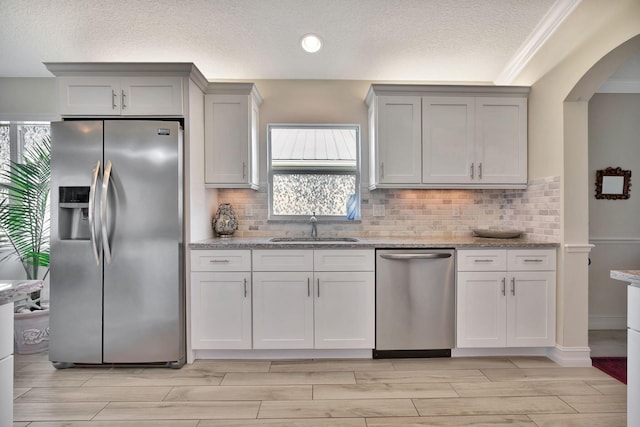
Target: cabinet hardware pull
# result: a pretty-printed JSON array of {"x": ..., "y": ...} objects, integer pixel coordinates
[
  {"x": 482, "y": 260},
  {"x": 318, "y": 287},
  {"x": 244, "y": 170},
  {"x": 513, "y": 286},
  {"x": 480, "y": 171},
  {"x": 214, "y": 261},
  {"x": 124, "y": 104},
  {"x": 504, "y": 286},
  {"x": 245, "y": 287},
  {"x": 113, "y": 99},
  {"x": 382, "y": 170},
  {"x": 308, "y": 287},
  {"x": 532, "y": 260},
  {"x": 471, "y": 171}
]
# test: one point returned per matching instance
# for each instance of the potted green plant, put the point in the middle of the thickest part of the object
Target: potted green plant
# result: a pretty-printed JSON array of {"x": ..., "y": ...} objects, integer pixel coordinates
[{"x": 25, "y": 223}]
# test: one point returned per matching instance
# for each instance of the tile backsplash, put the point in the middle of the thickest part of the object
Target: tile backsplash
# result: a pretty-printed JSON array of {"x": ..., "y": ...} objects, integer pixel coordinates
[{"x": 418, "y": 213}]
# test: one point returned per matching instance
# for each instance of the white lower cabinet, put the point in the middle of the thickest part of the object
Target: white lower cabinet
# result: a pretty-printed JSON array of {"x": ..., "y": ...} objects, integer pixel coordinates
[
  {"x": 282, "y": 310},
  {"x": 506, "y": 307},
  {"x": 313, "y": 308},
  {"x": 221, "y": 300},
  {"x": 344, "y": 309}
]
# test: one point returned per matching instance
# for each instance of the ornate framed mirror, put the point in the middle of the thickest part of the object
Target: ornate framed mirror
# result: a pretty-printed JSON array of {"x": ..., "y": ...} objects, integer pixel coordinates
[{"x": 613, "y": 183}]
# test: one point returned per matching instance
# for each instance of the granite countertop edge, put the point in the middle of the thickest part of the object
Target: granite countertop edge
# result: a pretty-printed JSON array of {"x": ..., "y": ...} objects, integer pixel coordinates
[
  {"x": 630, "y": 276},
  {"x": 370, "y": 243},
  {"x": 17, "y": 289}
]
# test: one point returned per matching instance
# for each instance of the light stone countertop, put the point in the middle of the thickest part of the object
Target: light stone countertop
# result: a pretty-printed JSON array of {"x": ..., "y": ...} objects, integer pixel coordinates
[
  {"x": 11, "y": 290},
  {"x": 370, "y": 243},
  {"x": 629, "y": 276}
]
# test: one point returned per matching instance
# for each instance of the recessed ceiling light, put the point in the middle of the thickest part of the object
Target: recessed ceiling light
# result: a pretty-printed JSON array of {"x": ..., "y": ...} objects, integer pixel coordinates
[{"x": 311, "y": 43}]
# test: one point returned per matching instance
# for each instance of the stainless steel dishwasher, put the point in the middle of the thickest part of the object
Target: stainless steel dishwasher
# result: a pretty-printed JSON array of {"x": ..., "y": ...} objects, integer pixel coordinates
[{"x": 415, "y": 303}]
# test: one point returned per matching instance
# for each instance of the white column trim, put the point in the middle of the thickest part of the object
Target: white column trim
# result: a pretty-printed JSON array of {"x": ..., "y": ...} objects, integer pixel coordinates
[
  {"x": 570, "y": 356},
  {"x": 578, "y": 247}
]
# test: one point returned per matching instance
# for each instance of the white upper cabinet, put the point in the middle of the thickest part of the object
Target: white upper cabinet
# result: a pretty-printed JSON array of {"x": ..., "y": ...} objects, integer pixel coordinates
[
  {"x": 231, "y": 135},
  {"x": 447, "y": 136},
  {"x": 448, "y": 139},
  {"x": 398, "y": 160},
  {"x": 501, "y": 140},
  {"x": 126, "y": 96},
  {"x": 102, "y": 89}
]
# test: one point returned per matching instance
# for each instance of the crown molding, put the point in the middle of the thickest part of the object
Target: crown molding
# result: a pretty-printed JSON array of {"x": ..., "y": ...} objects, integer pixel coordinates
[{"x": 549, "y": 23}]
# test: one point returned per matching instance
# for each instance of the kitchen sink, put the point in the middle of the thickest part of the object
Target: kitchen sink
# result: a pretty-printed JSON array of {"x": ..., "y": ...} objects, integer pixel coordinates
[{"x": 313, "y": 239}]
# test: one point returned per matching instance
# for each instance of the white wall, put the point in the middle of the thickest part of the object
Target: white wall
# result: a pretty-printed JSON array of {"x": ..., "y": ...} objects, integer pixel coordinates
[
  {"x": 614, "y": 226},
  {"x": 28, "y": 99}
]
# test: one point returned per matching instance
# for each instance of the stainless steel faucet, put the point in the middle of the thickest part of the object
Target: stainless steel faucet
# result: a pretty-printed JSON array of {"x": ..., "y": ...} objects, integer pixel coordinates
[{"x": 314, "y": 225}]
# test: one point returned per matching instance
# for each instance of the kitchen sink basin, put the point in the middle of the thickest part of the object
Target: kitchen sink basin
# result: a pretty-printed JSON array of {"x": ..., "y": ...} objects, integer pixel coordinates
[{"x": 314, "y": 240}]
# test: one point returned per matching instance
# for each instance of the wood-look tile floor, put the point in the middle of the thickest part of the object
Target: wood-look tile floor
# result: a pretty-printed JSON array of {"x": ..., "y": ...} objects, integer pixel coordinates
[{"x": 519, "y": 391}]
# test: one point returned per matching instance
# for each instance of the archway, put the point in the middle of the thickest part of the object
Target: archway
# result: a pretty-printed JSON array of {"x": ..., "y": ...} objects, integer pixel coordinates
[{"x": 573, "y": 274}]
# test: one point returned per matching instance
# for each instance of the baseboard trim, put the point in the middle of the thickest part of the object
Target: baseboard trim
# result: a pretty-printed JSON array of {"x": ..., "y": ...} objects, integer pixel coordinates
[
  {"x": 502, "y": 351},
  {"x": 283, "y": 354},
  {"x": 570, "y": 356},
  {"x": 607, "y": 322}
]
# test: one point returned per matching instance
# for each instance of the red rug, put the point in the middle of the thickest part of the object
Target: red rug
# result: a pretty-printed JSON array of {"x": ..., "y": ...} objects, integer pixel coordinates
[{"x": 615, "y": 367}]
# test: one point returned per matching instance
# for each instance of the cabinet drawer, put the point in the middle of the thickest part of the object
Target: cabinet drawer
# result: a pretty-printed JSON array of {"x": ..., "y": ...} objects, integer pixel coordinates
[
  {"x": 228, "y": 260},
  {"x": 531, "y": 259},
  {"x": 282, "y": 260},
  {"x": 482, "y": 260},
  {"x": 344, "y": 260}
]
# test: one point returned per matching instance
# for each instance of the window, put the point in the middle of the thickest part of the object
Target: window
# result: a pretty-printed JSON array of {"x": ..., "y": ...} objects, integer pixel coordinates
[
  {"x": 314, "y": 168},
  {"x": 15, "y": 137}
]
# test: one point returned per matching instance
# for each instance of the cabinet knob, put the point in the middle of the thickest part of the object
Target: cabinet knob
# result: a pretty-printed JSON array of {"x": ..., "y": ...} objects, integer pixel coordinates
[
  {"x": 471, "y": 171},
  {"x": 113, "y": 100},
  {"x": 124, "y": 103}
]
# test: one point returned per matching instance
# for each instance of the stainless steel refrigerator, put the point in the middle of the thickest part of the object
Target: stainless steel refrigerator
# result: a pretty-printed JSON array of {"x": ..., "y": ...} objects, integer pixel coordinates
[{"x": 116, "y": 275}]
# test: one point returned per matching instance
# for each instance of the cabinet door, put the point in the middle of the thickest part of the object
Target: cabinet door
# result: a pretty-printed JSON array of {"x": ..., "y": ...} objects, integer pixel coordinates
[
  {"x": 151, "y": 96},
  {"x": 227, "y": 140},
  {"x": 399, "y": 144},
  {"x": 481, "y": 309},
  {"x": 221, "y": 310},
  {"x": 448, "y": 141},
  {"x": 344, "y": 309},
  {"x": 531, "y": 309},
  {"x": 282, "y": 310},
  {"x": 501, "y": 140},
  {"x": 89, "y": 96},
  {"x": 6, "y": 390}
]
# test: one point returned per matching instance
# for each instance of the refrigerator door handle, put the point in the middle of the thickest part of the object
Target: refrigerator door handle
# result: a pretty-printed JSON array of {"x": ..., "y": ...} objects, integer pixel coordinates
[
  {"x": 103, "y": 212},
  {"x": 92, "y": 211}
]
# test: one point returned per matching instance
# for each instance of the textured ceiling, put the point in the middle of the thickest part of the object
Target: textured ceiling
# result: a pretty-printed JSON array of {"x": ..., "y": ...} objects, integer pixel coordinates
[{"x": 380, "y": 40}]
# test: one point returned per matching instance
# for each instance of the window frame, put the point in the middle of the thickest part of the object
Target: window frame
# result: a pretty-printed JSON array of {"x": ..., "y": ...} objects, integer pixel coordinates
[{"x": 357, "y": 172}]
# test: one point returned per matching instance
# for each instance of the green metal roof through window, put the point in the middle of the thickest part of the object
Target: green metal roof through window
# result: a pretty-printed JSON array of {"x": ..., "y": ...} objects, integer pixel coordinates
[{"x": 309, "y": 147}]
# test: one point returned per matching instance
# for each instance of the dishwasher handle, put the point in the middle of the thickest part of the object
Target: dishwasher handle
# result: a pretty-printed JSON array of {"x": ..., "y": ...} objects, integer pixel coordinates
[{"x": 416, "y": 256}]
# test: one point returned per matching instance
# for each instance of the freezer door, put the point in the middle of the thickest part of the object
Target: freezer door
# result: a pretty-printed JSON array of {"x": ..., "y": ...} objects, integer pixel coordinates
[
  {"x": 143, "y": 289},
  {"x": 75, "y": 276}
]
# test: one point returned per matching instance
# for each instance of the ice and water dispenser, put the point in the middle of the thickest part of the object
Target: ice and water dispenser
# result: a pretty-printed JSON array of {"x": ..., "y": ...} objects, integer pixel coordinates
[{"x": 73, "y": 213}]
